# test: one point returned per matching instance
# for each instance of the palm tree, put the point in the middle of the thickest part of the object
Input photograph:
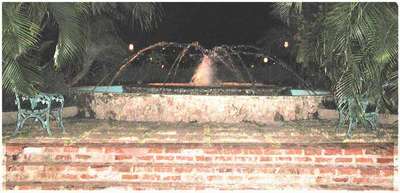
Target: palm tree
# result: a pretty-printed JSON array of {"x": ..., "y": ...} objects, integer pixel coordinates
[
  {"x": 355, "y": 45},
  {"x": 24, "y": 25}
]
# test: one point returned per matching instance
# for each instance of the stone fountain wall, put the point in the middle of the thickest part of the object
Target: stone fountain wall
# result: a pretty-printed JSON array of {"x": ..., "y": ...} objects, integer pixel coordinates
[{"x": 198, "y": 108}]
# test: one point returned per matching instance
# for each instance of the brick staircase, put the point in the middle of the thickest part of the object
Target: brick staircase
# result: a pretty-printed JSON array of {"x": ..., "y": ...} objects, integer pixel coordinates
[{"x": 135, "y": 166}]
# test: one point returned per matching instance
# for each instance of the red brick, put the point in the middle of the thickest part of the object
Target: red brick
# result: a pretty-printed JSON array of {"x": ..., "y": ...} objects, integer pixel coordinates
[
  {"x": 294, "y": 151},
  {"x": 155, "y": 150},
  {"x": 214, "y": 178},
  {"x": 231, "y": 150},
  {"x": 384, "y": 160},
  {"x": 387, "y": 172},
  {"x": 12, "y": 150},
  {"x": 306, "y": 170},
  {"x": 63, "y": 157},
  {"x": 322, "y": 159},
  {"x": 185, "y": 158},
  {"x": 223, "y": 158},
  {"x": 340, "y": 179},
  {"x": 112, "y": 150},
  {"x": 332, "y": 152},
  {"x": 54, "y": 168},
  {"x": 146, "y": 158},
  {"x": 247, "y": 170},
  {"x": 347, "y": 171},
  {"x": 17, "y": 168},
  {"x": 172, "y": 178},
  {"x": 224, "y": 170},
  {"x": 303, "y": 159},
  {"x": 212, "y": 150},
  {"x": 123, "y": 157},
  {"x": 272, "y": 151},
  {"x": 389, "y": 151},
  {"x": 265, "y": 159},
  {"x": 343, "y": 160},
  {"x": 50, "y": 187},
  {"x": 312, "y": 151},
  {"x": 369, "y": 171},
  {"x": 127, "y": 150},
  {"x": 199, "y": 187},
  {"x": 322, "y": 180},
  {"x": 382, "y": 181},
  {"x": 173, "y": 150},
  {"x": 203, "y": 158},
  {"x": 163, "y": 169},
  {"x": 256, "y": 151},
  {"x": 183, "y": 169},
  {"x": 234, "y": 178},
  {"x": 353, "y": 151},
  {"x": 364, "y": 160},
  {"x": 79, "y": 168},
  {"x": 94, "y": 149},
  {"x": 326, "y": 170},
  {"x": 130, "y": 177},
  {"x": 164, "y": 157},
  {"x": 25, "y": 187},
  {"x": 71, "y": 149},
  {"x": 360, "y": 180},
  {"x": 86, "y": 176},
  {"x": 204, "y": 169},
  {"x": 268, "y": 170},
  {"x": 84, "y": 157},
  {"x": 289, "y": 170},
  {"x": 150, "y": 177},
  {"x": 69, "y": 177},
  {"x": 100, "y": 167},
  {"x": 52, "y": 149},
  {"x": 121, "y": 168},
  {"x": 284, "y": 159},
  {"x": 142, "y": 169}
]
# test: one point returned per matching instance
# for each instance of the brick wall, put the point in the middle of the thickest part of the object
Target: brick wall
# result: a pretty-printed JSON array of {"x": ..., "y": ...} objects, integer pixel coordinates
[
  {"x": 200, "y": 166},
  {"x": 198, "y": 108}
]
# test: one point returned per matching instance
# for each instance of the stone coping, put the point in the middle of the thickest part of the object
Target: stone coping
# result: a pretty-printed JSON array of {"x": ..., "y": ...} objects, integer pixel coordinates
[{"x": 83, "y": 131}]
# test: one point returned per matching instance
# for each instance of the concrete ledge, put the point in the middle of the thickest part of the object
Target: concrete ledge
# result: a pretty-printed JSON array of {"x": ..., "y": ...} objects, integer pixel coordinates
[
  {"x": 198, "y": 108},
  {"x": 330, "y": 114},
  {"x": 11, "y": 117}
]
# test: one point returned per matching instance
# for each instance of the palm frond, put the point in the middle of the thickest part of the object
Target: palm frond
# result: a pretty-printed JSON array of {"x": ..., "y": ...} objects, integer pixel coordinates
[
  {"x": 137, "y": 15},
  {"x": 71, "y": 39},
  {"x": 285, "y": 9},
  {"x": 20, "y": 36}
]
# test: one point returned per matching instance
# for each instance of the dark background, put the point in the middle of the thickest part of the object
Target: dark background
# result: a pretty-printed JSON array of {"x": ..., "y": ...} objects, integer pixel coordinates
[{"x": 211, "y": 24}]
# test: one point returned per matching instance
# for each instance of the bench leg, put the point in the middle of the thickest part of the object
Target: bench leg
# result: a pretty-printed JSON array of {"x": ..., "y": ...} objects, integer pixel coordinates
[
  {"x": 20, "y": 123},
  {"x": 46, "y": 123},
  {"x": 58, "y": 116}
]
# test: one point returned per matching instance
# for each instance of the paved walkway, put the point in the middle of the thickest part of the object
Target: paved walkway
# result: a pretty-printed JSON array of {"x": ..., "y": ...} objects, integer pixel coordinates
[{"x": 311, "y": 131}]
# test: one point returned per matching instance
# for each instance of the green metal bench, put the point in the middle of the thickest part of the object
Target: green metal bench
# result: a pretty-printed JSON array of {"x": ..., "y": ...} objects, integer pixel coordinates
[
  {"x": 346, "y": 113},
  {"x": 40, "y": 107}
]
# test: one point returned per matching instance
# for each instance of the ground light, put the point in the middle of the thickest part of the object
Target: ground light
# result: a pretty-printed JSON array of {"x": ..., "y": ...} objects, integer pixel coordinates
[
  {"x": 131, "y": 47},
  {"x": 286, "y": 44}
]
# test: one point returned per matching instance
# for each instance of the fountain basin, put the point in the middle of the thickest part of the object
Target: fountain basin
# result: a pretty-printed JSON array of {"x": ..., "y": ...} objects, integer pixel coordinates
[{"x": 185, "y": 103}]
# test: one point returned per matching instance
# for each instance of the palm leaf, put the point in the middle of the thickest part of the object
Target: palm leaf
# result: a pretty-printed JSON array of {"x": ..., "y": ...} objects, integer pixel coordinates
[
  {"x": 71, "y": 39},
  {"x": 20, "y": 36}
]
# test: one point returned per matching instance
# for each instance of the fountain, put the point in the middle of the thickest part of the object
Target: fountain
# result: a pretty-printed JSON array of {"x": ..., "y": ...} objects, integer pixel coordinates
[
  {"x": 220, "y": 88},
  {"x": 204, "y": 75}
]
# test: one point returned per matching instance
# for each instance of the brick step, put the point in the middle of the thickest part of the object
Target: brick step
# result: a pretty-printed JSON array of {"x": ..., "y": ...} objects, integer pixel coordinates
[
  {"x": 198, "y": 154},
  {"x": 107, "y": 185},
  {"x": 201, "y": 166},
  {"x": 245, "y": 174}
]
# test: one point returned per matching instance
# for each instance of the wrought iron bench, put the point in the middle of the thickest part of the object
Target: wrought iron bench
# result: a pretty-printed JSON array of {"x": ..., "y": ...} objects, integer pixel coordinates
[
  {"x": 40, "y": 107},
  {"x": 346, "y": 113}
]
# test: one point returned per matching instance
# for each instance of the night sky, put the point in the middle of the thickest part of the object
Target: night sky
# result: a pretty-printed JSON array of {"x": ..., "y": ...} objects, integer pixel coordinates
[{"x": 212, "y": 23}]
